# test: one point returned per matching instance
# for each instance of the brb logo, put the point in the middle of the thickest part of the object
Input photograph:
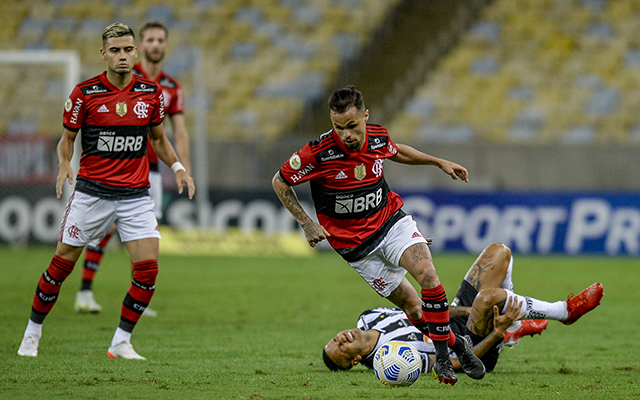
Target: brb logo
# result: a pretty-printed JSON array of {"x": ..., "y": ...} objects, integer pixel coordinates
[
  {"x": 111, "y": 143},
  {"x": 358, "y": 204}
]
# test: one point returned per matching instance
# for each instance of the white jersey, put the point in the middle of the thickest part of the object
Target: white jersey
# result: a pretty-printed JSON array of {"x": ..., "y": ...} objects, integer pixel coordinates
[{"x": 392, "y": 323}]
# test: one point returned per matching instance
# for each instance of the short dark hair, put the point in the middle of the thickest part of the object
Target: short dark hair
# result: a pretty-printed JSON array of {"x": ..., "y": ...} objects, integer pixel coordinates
[
  {"x": 330, "y": 363},
  {"x": 154, "y": 24},
  {"x": 116, "y": 30},
  {"x": 343, "y": 99}
]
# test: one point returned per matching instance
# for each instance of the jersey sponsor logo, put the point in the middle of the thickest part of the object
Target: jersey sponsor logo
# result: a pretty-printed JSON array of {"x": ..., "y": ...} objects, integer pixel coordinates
[
  {"x": 377, "y": 167},
  {"x": 141, "y": 109},
  {"x": 360, "y": 172},
  {"x": 333, "y": 153},
  {"x": 377, "y": 143},
  {"x": 346, "y": 205},
  {"x": 392, "y": 149},
  {"x": 121, "y": 108},
  {"x": 103, "y": 109},
  {"x": 95, "y": 89},
  {"x": 295, "y": 162},
  {"x": 76, "y": 111},
  {"x": 67, "y": 105},
  {"x": 341, "y": 175},
  {"x": 296, "y": 177},
  {"x": 141, "y": 87},
  {"x": 108, "y": 142}
]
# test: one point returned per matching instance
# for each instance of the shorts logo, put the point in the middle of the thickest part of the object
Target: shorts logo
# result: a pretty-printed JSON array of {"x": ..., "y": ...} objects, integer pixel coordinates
[
  {"x": 121, "y": 109},
  {"x": 415, "y": 235},
  {"x": 379, "y": 284},
  {"x": 73, "y": 231},
  {"x": 141, "y": 109},
  {"x": 360, "y": 172}
]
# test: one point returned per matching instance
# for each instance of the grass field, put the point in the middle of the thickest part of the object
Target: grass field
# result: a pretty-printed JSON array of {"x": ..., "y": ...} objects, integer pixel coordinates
[{"x": 253, "y": 328}]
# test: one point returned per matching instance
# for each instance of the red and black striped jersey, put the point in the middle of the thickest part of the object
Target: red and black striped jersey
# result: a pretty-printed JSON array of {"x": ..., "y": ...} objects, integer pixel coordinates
[
  {"x": 350, "y": 195},
  {"x": 115, "y": 125},
  {"x": 173, "y": 99}
]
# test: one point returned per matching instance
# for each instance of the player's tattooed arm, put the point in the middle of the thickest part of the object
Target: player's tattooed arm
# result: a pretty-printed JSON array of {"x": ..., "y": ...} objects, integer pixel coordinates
[
  {"x": 459, "y": 311},
  {"x": 313, "y": 232}
]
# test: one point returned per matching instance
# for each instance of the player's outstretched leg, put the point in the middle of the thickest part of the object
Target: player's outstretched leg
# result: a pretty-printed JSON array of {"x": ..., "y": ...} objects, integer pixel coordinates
[
  {"x": 527, "y": 327},
  {"x": 584, "y": 302}
]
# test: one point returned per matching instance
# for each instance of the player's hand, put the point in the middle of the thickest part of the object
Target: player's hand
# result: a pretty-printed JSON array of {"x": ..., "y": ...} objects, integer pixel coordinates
[
  {"x": 182, "y": 180},
  {"x": 65, "y": 172},
  {"x": 455, "y": 171},
  {"x": 504, "y": 321},
  {"x": 315, "y": 233}
]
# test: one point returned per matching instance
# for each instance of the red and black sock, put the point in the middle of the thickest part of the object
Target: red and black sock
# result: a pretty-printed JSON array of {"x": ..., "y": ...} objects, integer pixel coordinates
[
  {"x": 92, "y": 259},
  {"x": 139, "y": 294},
  {"x": 435, "y": 309},
  {"x": 49, "y": 287}
]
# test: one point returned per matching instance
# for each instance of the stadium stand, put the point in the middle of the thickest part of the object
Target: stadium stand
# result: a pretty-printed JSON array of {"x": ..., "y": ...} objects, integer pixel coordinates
[
  {"x": 263, "y": 59},
  {"x": 532, "y": 71}
]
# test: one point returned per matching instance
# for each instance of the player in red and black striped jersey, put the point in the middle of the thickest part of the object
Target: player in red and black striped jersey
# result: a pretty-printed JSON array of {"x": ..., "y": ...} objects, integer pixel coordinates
[
  {"x": 153, "y": 46},
  {"x": 117, "y": 113},
  {"x": 363, "y": 219}
]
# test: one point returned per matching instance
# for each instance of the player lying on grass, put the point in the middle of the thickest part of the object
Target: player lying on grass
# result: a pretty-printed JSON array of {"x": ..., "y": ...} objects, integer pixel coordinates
[{"x": 485, "y": 308}]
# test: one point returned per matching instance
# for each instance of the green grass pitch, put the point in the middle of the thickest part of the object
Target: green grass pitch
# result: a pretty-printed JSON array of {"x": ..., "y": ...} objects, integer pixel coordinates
[{"x": 253, "y": 328}]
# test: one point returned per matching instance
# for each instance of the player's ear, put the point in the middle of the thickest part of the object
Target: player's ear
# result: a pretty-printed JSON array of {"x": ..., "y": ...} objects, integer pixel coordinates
[
  {"x": 366, "y": 115},
  {"x": 356, "y": 360}
]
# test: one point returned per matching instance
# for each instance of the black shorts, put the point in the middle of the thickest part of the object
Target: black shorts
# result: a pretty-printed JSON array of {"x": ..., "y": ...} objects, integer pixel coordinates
[{"x": 465, "y": 297}]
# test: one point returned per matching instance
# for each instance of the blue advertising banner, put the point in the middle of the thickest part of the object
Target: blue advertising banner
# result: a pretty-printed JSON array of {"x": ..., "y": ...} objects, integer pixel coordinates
[{"x": 529, "y": 222}]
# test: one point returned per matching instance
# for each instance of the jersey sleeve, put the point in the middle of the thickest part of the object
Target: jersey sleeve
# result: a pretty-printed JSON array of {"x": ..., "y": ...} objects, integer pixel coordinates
[
  {"x": 158, "y": 113},
  {"x": 176, "y": 106},
  {"x": 300, "y": 167},
  {"x": 74, "y": 110},
  {"x": 391, "y": 149}
]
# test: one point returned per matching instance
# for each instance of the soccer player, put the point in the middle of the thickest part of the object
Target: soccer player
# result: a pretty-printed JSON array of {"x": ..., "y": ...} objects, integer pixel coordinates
[
  {"x": 117, "y": 112},
  {"x": 485, "y": 308},
  {"x": 363, "y": 219},
  {"x": 153, "y": 45}
]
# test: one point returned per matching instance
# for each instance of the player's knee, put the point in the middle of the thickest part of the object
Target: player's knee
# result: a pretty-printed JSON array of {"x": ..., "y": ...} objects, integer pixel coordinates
[
  {"x": 146, "y": 272},
  {"x": 502, "y": 254},
  {"x": 487, "y": 298}
]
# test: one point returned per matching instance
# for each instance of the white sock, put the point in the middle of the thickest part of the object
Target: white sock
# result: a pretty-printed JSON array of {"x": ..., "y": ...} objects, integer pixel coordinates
[
  {"x": 33, "y": 329},
  {"x": 507, "y": 284},
  {"x": 121, "y": 336},
  {"x": 538, "y": 309}
]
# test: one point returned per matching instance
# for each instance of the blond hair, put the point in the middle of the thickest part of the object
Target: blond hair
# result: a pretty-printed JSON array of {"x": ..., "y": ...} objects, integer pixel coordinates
[{"x": 115, "y": 30}]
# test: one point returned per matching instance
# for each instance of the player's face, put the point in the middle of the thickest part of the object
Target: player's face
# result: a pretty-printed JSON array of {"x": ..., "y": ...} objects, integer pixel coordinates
[
  {"x": 120, "y": 54},
  {"x": 351, "y": 126},
  {"x": 346, "y": 347},
  {"x": 154, "y": 44}
]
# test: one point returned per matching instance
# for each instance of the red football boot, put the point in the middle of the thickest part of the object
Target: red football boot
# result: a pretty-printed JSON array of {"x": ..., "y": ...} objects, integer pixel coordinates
[
  {"x": 527, "y": 327},
  {"x": 581, "y": 304}
]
